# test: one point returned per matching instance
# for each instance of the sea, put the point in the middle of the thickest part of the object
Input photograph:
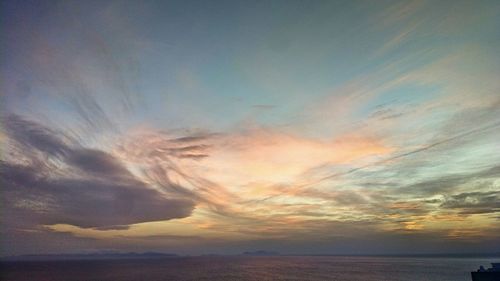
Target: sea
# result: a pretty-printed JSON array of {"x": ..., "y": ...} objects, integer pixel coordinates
[{"x": 251, "y": 268}]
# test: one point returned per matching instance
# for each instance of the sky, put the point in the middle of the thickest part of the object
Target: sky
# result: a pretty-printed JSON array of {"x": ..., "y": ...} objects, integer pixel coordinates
[{"x": 302, "y": 127}]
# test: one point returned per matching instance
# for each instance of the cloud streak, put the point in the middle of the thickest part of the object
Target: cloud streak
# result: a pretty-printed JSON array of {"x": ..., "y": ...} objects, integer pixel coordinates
[
  {"x": 168, "y": 125},
  {"x": 83, "y": 187}
]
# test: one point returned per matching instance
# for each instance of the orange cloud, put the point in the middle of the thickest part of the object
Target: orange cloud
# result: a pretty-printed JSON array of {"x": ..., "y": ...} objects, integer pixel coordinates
[{"x": 264, "y": 156}]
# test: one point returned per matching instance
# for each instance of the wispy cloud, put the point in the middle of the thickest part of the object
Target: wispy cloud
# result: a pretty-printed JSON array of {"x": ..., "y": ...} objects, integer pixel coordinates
[
  {"x": 76, "y": 185},
  {"x": 319, "y": 126}
]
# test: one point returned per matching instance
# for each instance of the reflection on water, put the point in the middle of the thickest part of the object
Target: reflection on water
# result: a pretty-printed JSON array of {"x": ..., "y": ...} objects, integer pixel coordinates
[{"x": 248, "y": 268}]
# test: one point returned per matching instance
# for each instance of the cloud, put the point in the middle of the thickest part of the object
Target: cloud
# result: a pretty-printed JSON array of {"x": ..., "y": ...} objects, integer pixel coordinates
[
  {"x": 173, "y": 164},
  {"x": 75, "y": 73},
  {"x": 474, "y": 202},
  {"x": 97, "y": 162},
  {"x": 227, "y": 184},
  {"x": 32, "y": 136},
  {"x": 106, "y": 195},
  {"x": 390, "y": 131},
  {"x": 448, "y": 183},
  {"x": 263, "y": 106},
  {"x": 86, "y": 202},
  {"x": 424, "y": 148}
]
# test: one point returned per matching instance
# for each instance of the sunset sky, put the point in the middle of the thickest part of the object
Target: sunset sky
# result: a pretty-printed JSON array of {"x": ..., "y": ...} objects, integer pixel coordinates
[{"x": 303, "y": 127}]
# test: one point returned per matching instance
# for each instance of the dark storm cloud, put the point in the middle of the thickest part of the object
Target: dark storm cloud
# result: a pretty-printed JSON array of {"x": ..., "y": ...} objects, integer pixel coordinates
[{"x": 107, "y": 195}]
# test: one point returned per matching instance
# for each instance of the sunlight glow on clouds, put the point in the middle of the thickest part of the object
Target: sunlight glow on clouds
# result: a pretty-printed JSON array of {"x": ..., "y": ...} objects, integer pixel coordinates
[{"x": 329, "y": 128}]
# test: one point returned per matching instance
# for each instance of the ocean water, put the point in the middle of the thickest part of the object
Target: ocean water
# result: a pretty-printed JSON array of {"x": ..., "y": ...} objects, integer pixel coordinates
[{"x": 248, "y": 268}]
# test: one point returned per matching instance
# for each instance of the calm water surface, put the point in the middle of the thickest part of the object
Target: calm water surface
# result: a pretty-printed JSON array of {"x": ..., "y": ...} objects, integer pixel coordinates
[{"x": 248, "y": 268}]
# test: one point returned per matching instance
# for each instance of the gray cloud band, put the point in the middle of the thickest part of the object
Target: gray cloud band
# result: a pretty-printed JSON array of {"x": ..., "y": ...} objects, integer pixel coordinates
[{"x": 87, "y": 188}]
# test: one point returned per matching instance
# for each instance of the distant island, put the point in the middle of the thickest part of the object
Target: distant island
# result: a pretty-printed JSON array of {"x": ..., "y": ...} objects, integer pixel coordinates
[
  {"x": 91, "y": 256},
  {"x": 261, "y": 253}
]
